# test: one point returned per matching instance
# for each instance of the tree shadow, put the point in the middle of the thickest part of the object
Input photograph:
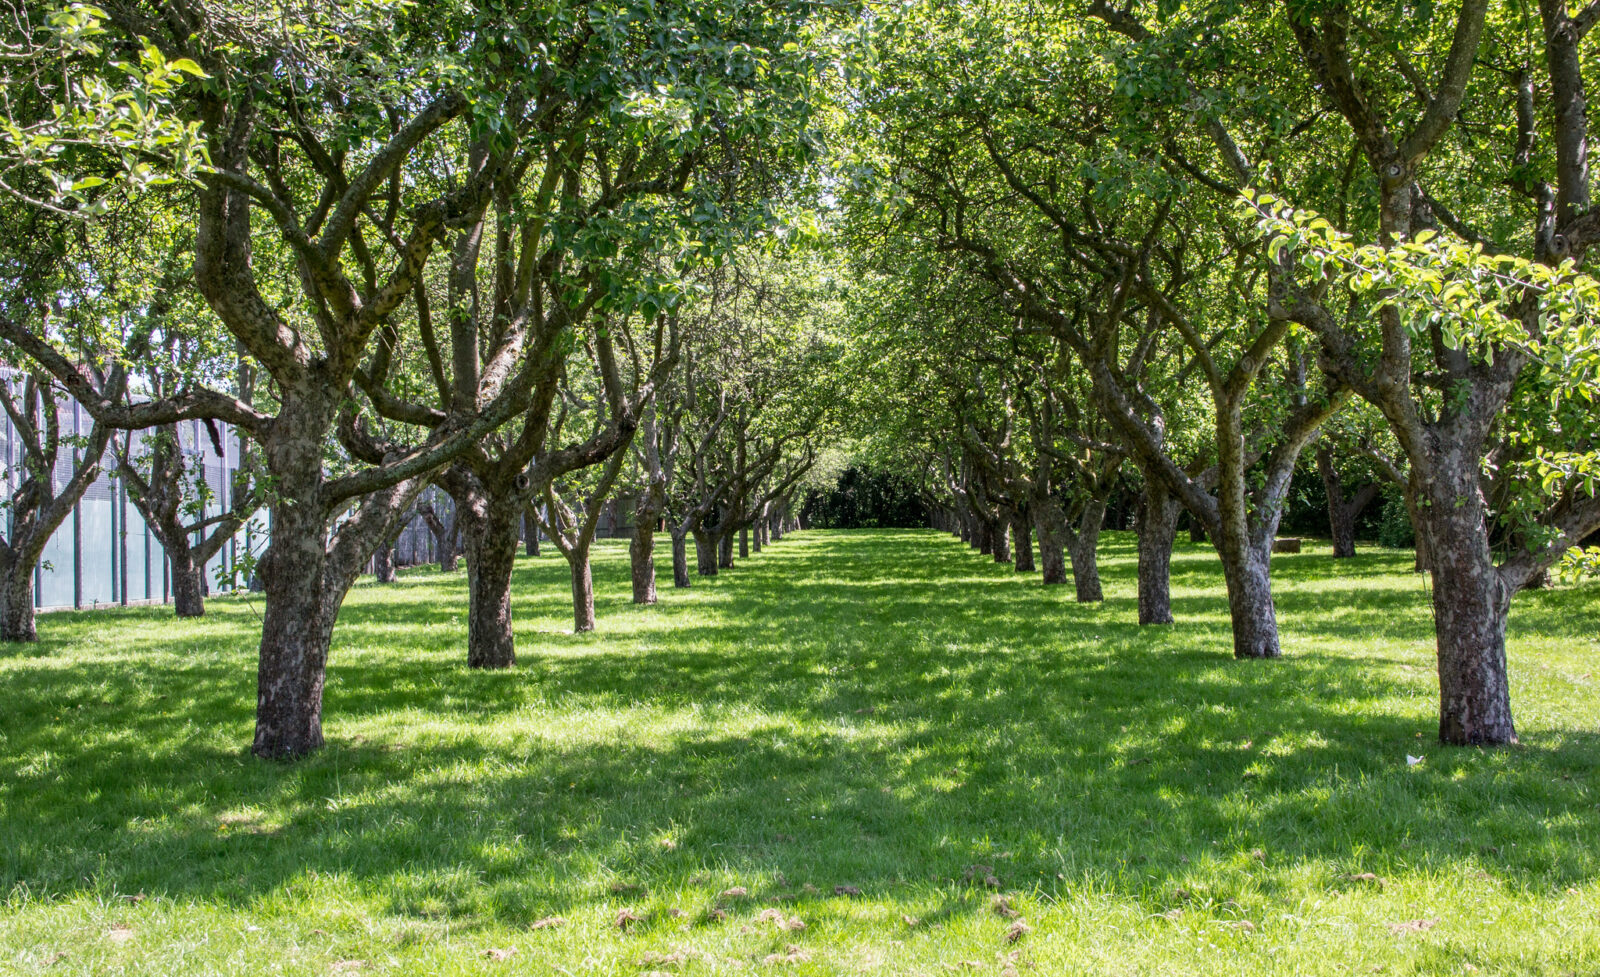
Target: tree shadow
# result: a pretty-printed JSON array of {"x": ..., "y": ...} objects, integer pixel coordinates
[{"x": 873, "y": 710}]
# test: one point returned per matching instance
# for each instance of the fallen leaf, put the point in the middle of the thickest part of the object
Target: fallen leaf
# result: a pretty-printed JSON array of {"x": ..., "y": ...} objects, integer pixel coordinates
[
  {"x": 548, "y": 922},
  {"x": 716, "y": 915},
  {"x": 1413, "y": 926},
  {"x": 663, "y": 959},
  {"x": 348, "y": 966},
  {"x": 135, "y": 899},
  {"x": 120, "y": 933},
  {"x": 793, "y": 924},
  {"x": 1173, "y": 914},
  {"x": 676, "y": 913},
  {"x": 809, "y": 889},
  {"x": 1243, "y": 925},
  {"x": 767, "y": 915},
  {"x": 846, "y": 890},
  {"x": 625, "y": 917},
  {"x": 737, "y": 892},
  {"x": 56, "y": 958},
  {"x": 1018, "y": 929},
  {"x": 1258, "y": 855},
  {"x": 500, "y": 953},
  {"x": 620, "y": 888},
  {"x": 1002, "y": 907},
  {"x": 910, "y": 920},
  {"x": 1365, "y": 877}
]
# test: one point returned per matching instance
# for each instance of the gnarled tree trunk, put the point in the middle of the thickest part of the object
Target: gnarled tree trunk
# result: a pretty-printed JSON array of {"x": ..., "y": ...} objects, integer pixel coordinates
[
  {"x": 1158, "y": 528},
  {"x": 582, "y": 590},
  {"x": 1247, "y": 569},
  {"x": 188, "y": 583},
  {"x": 706, "y": 545},
  {"x": 1084, "y": 547},
  {"x": 16, "y": 600},
  {"x": 1022, "y": 535},
  {"x": 680, "y": 559},
  {"x": 1052, "y": 527},
  {"x": 641, "y": 557},
  {"x": 1470, "y": 606},
  {"x": 489, "y": 523}
]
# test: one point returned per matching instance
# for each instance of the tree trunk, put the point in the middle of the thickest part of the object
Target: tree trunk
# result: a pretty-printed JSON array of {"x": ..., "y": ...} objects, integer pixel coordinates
[
  {"x": 1084, "y": 546},
  {"x": 1247, "y": 570},
  {"x": 382, "y": 565},
  {"x": 1052, "y": 525},
  {"x": 490, "y": 523},
  {"x": 1197, "y": 532},
  {"x": 1422, "y": 559},
  {"x": 582, "y": 591},
  {"x": 188, "y": 583},
  {"x": 296, "y": 629},
  {"x": 530, "y": 531},
  {"x": 1158, "y": 528},
  {"x": 1470, "y": 606},
  {"x": 1022, "y": 535},
  {"x": 1002, "y": 547},
  {"x": 1341, "y": 521},
  {"x": 641, "y": 553},
  {"x": 744, "y": 543},
  {"x": 983, "y": 537},
  {"x": 680, "y": 560},
  {"x": 725, "y": 551},
  {"x": 16, "y": 602},
  {"x": 706, "y": 545}
]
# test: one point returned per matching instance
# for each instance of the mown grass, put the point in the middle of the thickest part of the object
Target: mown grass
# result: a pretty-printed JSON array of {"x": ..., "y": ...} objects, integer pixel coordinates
[{"x": 885, "y": 712}]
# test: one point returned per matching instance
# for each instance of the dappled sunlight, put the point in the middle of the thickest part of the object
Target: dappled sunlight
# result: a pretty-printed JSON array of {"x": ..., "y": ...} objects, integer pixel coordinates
[{"x": 813, "y": 718}]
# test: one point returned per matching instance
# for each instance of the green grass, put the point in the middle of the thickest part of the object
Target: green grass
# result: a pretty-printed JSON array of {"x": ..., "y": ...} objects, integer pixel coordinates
[{"x": 884, "y": 711}]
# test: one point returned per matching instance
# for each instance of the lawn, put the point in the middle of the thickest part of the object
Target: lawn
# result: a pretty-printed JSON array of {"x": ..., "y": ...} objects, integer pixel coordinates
[{"x": 871, "y": 752}]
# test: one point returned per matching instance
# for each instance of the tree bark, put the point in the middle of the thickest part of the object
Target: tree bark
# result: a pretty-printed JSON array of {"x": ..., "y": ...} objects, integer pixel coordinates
[
  {"x": 1001, "y": 545},
  {"x": 706, "y": 545},
  {"x": 1084, "y": 547},
  {"x": 680, "y": 560},
  {"x": 1247, "y": 570},
  {"x": 641, "y": 555},
  {"x": 489, "y": 521},
  {"x": 1470, "y": 606},
  {"x": 382, "y": 565},
  {"x": 188, "y": 583},
  {"x": 1022, "y": 536},
  {"x": 1158, "y": 529},
  {"x": 1052, "y": 528},
  {"x": 1342, "y": 511},
  {"x": 744, "y": 542},
  {"x": 582, "y": 591},
  {"x": 296, "y": 626},
  {"x": 16, "y": 601},
  {"x": 725, "y": 551},
  {"x": 530, "y": 531}
]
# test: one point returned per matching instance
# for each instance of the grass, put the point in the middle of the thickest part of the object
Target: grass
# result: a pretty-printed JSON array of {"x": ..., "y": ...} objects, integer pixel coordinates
[{"x": 883, "y": 736}]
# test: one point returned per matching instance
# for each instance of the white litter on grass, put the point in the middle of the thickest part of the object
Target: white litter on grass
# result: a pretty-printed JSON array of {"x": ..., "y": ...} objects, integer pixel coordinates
[{"x": 1412, "y": 761}]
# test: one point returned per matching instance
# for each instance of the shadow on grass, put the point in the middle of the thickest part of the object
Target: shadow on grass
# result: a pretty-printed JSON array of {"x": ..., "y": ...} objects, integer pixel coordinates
[{"x": 874, "y": 709}]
